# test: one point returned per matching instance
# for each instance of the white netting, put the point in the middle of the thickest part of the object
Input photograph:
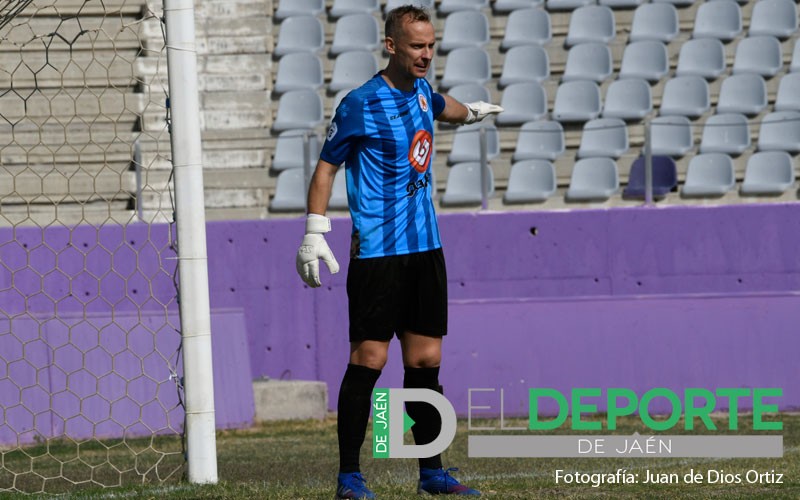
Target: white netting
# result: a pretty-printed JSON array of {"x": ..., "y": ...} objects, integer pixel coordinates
[{"x": 89, "y": 341}]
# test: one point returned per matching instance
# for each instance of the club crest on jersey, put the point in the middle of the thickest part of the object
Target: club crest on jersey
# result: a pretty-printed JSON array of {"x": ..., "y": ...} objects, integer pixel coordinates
[
  {"x": 419, "y": 154},
  {"x": 423, "y": 103},
  {"x": 332, "y": 131}
]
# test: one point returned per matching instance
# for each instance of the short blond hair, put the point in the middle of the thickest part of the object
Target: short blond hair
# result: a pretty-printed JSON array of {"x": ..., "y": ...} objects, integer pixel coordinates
[{"x": 396, "y": 17}]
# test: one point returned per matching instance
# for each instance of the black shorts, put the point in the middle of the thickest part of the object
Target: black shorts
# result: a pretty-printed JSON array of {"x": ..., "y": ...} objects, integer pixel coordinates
[{"x": 398, "y": 293}]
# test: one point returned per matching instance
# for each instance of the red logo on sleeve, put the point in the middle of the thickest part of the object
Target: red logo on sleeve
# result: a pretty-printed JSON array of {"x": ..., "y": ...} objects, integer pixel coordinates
[{"x": 421, "y": 149}]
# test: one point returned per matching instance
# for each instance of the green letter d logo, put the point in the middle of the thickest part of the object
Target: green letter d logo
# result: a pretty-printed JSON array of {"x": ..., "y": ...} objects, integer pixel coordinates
[{"x": 390, "y": 422}]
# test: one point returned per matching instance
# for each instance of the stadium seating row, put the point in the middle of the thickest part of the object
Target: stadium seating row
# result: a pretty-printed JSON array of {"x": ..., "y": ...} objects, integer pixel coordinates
[
  {"x": 593, "y": 179},
  {"x": 588, "y": 24}
]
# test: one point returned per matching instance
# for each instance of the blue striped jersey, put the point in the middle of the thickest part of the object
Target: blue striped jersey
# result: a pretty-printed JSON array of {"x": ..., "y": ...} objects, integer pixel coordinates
[{"x": 385, "y": 138}]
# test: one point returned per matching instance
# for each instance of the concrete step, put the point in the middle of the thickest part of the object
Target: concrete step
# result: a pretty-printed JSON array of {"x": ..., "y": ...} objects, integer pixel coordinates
[
  {"x": 236, "y": 72},
  {"x": 84, "y": 32},
  {"x": 68, "y": 137},
  {"x": 36, "y": 69},
  {"x": 290, "y": 399},
  {"x": 62, "y": 105},
  {"x": 94, "y": 212},
  {"x": 66, "y": 8},
  {"x": 64, "y": 185}
]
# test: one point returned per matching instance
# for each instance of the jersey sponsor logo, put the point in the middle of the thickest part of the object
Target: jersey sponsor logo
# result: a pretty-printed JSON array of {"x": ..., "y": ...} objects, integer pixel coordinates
[
  {"x": 423, "y": 103},
  {"x": 417, "y": 185},
  {"x": 419, "y": 154},
  {"x": 332, "y": 131}
]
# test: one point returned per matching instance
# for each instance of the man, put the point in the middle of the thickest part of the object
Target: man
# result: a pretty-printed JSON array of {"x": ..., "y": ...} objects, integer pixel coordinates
[{"x": 396, "y": 281}]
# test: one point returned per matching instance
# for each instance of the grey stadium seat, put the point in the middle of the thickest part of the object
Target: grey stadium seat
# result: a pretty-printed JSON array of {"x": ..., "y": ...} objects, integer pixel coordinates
[
  {"x": 776, "y": 18},
  {"x": 470, "y": 92},
  {"x": 593, "y": 179},
  {"x": 577, "y": 101},
  {"x": 301, "y": 70},
  {"x": 525, "y": 27},
  {"x": 464, "y": 185},
  {"x": 342, "y": 8},
  {"x": 768, "y": 173},
  {"x": 526, "y": 63},
  {"x": 300, "y": 34},
  {"x": 725, "y": 133},
  {"x": 745, "y": 93},
  {"x": 788, "y": 98},
  {"x": 288, "y": 8},
  {"x": 466, "y": 65},
  {"x": 556, "y": 5},
  {"x": 356, "y": 32},
  {"x": 655, "y": 21},
  {"x": 605, "y": 137},
  {"x": 338, "y": 199},
  {"x": 298, "y": 109},
  {"x": 701, "y": 57},
  {"x": 709, "y": 174},
  {"x": 530, "y": 181},
  {"x": 671, "y": 136},
  {"x": 628, "y": 99},
  {"x": 680, "y": 3},
  {"x": 513, "y": 5},
  {"x": 290, "y": 192},
  {"x": 646, "y": 59},
  {"x": 466, "y": 143},
  {"x": 352, "y": 69},
  {"x": 780, "y": 131},
  {"x": 621, "y": 4},
  {"x": 588, "y": 61},
  {"x": 539, "y": 140},
  {"x": 795, "y": 64},
  {"x": 760, "y": 55},
  {"x": 685, "y": 96},
  {"x": 720, "y": 19},
  {"x": 591, "y": 24},
  {"x": 522, "y": 102},
  {"x": 450, "y": 6},
  {"x": 464, "y": 29},
  {"x": 289, "y": 149},
  {"x": 393, "y": 4}
]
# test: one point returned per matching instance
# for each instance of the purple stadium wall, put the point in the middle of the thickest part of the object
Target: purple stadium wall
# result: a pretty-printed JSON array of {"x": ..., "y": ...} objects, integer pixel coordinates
[
  {"x": 631, "y": 297},
  {"x": 666, "y": 297}
]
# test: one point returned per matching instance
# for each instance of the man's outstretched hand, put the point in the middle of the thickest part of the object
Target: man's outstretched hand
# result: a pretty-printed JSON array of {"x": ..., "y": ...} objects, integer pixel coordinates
[{"x": 478, "y": 110}]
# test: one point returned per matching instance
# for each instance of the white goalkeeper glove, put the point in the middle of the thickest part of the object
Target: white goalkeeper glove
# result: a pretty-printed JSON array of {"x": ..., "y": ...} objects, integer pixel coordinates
[
  {"x": 477, "y": 111},
  {"x": 313, "y": 249}
]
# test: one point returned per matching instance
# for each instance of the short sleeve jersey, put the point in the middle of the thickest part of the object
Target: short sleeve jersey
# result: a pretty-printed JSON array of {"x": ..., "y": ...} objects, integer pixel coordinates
[{"x": 385, "y": 138}]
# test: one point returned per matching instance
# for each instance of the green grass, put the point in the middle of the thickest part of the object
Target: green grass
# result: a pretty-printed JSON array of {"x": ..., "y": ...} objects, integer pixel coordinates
[{"x": 298, "y": 460}]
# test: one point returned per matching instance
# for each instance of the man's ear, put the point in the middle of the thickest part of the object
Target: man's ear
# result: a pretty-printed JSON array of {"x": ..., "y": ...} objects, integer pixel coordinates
[{"x": 389, "y": 44}]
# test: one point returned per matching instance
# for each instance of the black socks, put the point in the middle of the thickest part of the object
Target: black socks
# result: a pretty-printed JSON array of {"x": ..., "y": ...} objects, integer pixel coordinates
[
  {"x": 355, "y": 402},
  {"x": 428, "y": 422}
]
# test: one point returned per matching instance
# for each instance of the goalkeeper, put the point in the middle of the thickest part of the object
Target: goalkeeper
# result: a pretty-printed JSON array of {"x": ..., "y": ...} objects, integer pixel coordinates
[{"x": 396, "y": 283}]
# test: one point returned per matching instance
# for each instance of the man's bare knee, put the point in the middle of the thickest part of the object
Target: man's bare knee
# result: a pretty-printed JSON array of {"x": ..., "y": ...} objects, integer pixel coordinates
[{"x": 372, "y": 354}]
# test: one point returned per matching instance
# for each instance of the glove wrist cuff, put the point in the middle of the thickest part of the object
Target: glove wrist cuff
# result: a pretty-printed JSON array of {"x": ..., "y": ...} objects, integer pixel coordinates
[
  {"x": 471, "y": 115},
  {"x": 317, "y": 224}
]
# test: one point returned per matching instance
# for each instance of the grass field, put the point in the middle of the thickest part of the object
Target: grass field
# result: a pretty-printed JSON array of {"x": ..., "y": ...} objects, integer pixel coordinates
[{"x": 298, "y": 460}]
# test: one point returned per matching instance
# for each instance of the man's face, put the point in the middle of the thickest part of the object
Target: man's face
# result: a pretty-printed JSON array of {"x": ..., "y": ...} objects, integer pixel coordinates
[{"x": 412, "y": 48}]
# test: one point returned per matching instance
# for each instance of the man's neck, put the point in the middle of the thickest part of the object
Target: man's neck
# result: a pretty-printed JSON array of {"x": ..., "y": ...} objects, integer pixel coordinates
[{"x": 397, "y": 79}]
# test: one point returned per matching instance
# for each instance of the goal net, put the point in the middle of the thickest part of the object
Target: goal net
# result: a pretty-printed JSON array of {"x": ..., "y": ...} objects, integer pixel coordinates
[{"x": 90, "y": 368}]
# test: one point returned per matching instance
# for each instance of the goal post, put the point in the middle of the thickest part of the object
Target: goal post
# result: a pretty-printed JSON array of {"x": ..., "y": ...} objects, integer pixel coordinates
[{"x": 190, "y": 213}]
